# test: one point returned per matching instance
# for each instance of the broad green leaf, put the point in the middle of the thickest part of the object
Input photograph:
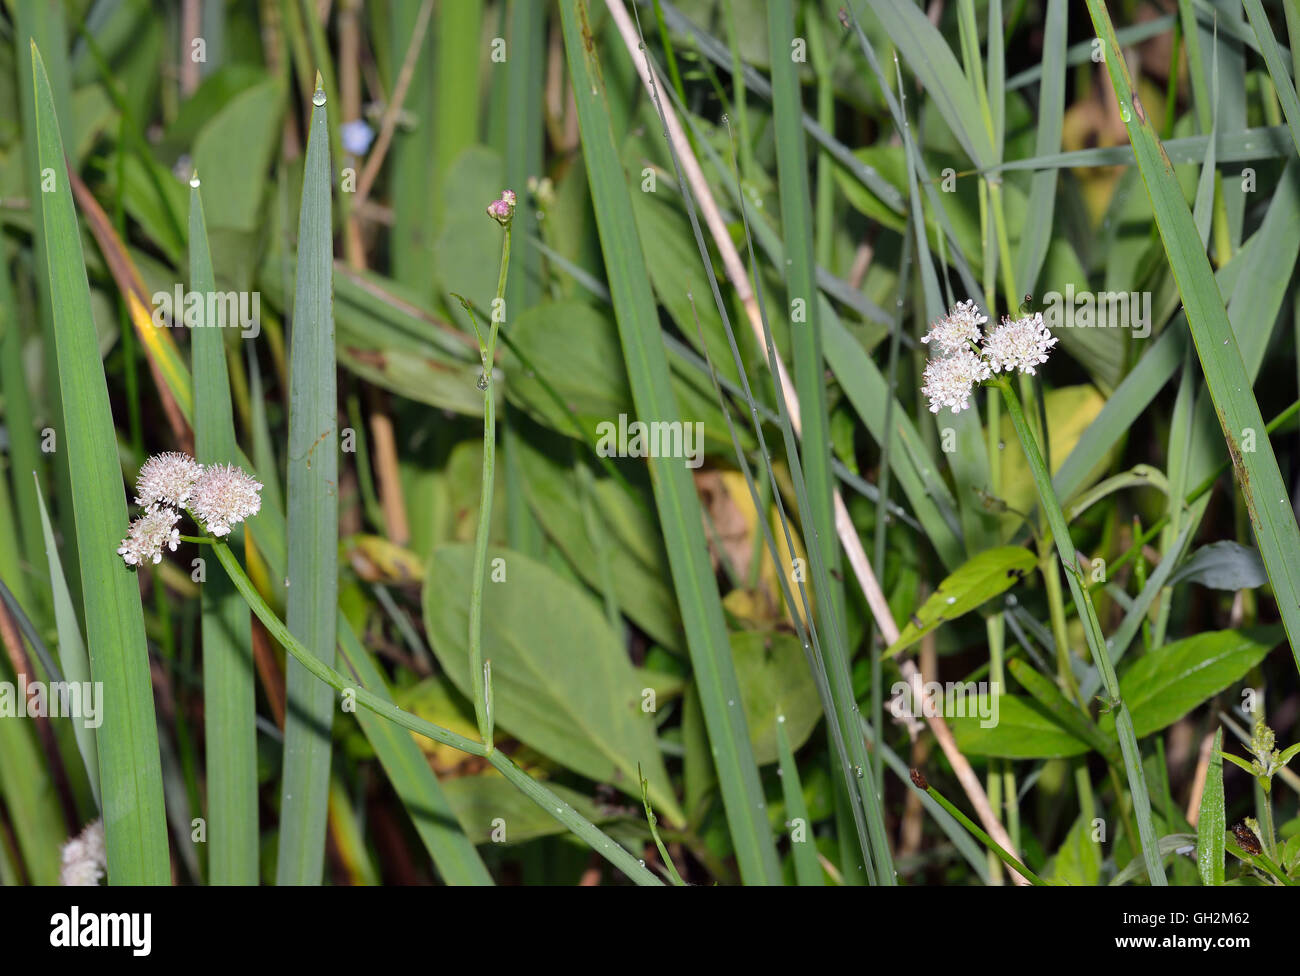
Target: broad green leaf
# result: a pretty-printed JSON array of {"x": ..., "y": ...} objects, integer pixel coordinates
[
  {"x": 1010, "y": 727},
  {"x": 1065, "y": 713},
  {"x": 978, "y": 580},
  {"x": 1166, "y": 684},
  {"x": 491, "y": 809},
  {"x": 634, "y": 547},
  {"x": 562, "y": 682},
  {"x": 233, "y": 150},
  {"x": 774, "y": 680},
  {"x": 1224, "y": 565},
  {"x": 574, "y": 349},
  {"x": 1077, "y": 859},
  {"x": 468, "y": 242}
]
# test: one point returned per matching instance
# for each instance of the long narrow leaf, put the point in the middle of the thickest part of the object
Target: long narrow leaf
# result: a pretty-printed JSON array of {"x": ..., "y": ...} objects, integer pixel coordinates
[
  {"x": 1266, "y": 496},
  {"x": 229, "y": 701},
  {"x": 312, "y": 505},
  {"x": 675, "y": 498},
  {"x": 130, "y": 772}
]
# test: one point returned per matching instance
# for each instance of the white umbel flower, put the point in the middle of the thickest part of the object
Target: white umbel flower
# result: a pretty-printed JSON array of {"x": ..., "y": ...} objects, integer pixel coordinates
[
  {"x": 224, "y": 496},
  {"x": 167, "y": 479},
  {"x": 148, "y": 535},
  {"x": 958, "y": 329},
  {"x": 1020, "y": 344},
  {"x": 84, "y": 858},
  {"x": 949, "y": 380}
]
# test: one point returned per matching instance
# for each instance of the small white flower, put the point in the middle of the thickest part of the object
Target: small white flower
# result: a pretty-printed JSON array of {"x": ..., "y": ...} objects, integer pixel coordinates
[
  {"x": 1020, "y": 344},
  {"x": 958, "y": 329},
  {"x": 949, "y": 380},
  {"x": 167, "y": 479},
  {"x": 225, "y": 495},
  {"x": 148, "y": 535},
  {"x": 84, "y": 858}
]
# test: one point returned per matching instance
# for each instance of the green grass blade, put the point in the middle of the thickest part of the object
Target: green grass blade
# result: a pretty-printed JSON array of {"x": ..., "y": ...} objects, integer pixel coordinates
[
  {"x": 1266, "y": 496},
  {"x": 803, "y": 845},
  {"x": 717, "y": 52},
  {"x": 801, "y": 292},
  {"x": 675, "y": 498},
  {"x": 1212, "y": 820},
  {"x": 229, "y": 697},
  {"x": 813, "y": 470},
  {"x": 456, "y": 93},
  {"x": 130, "y": 773},
  {"x": 24, "y": 455},
  {"x": 72, "y": 649},
  {"x": 312, "y": 506},
  {"x": 411, "y": 239},
  {"x": 28, "y": 792},
  {"x": 1268, "y": 47},
  {"x": 930, "y": 58},
  {"x": 1132, "y": 756},
  {"x": 1037, "y": 232},
  {"x": 42, "y": 24}
]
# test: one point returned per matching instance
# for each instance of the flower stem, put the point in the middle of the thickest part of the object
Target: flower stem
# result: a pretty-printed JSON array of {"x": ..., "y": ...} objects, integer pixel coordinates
[
  {"x": 982, "y": 837},
  {"x": 479, "y": 674}
]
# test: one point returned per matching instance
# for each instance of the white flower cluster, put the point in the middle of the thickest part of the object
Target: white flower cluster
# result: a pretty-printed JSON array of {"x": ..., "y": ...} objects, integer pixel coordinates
[
  {"x": 1019, "y": 344},
  {"x": 218, "y": 497},
  {"x": 225, "y": 495},
  {"x": 148, "y": 534},
  {"x": 84, "y": 857},
  {"x": 967, "y": 356}
]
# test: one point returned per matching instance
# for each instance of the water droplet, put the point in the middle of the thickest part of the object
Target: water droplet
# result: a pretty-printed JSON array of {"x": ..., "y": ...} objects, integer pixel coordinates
[
  {"x": 194, "y": 181},
  {"x": 857, "y": 771},
  {"x": 640, "y": 862},
  {"x": 482, "y": 383},
  {"x": 731, "y": 702},
  {"x": 951, "y": 600},
  {"x": 319, "y": 97}
]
